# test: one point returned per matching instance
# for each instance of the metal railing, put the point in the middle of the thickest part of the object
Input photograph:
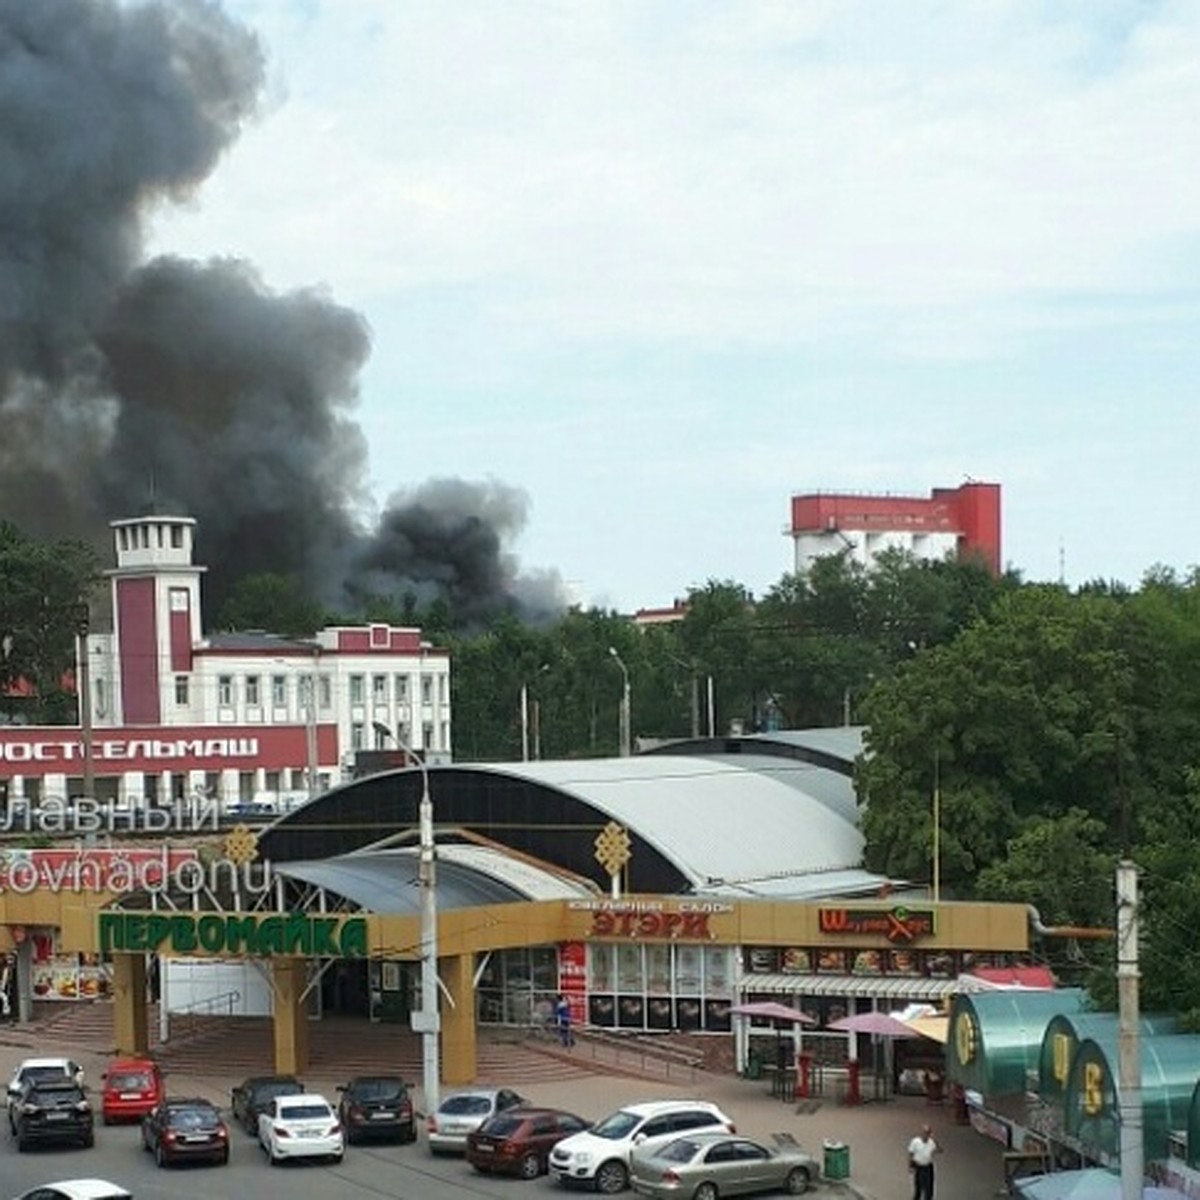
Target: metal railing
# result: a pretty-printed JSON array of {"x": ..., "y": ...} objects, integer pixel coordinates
[{"x": 222, "y": 1004}]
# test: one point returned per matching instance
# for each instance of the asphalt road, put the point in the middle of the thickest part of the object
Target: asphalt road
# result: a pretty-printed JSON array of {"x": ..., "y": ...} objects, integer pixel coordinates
[{"x": 401, "y": 1171}]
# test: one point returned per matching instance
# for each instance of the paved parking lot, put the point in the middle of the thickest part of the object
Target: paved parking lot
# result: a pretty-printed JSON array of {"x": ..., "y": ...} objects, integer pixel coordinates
[{"x": 876, "y": 1134}]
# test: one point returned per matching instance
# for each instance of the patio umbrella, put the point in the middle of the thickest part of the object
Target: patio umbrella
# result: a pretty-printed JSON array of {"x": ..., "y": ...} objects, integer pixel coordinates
[
  {"x": 772, "y": 1010},
  {"x": 881, "y": 1025}
]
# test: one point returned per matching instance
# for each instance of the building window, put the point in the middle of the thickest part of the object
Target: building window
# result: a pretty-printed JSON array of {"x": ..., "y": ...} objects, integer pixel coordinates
[
  {"x": 379, "y": 689},
  {"x": 426, "y": 689},
  {"x": 427, "y": 736},
  {"x": 401, "y": 689},
  {"x": 403, "y": 735},
  {"x": 445, "y": 735},
  {"x": 176, "y": 537},
  {"x": 253, "y": 696},
  {"x": 356, "y": 689},
  {"x": 382, "y": 736},
  {"x": 181, "y": 689},
  {"x": 326, "y": 692},
  {"x": 279, "y": 691},
  {"x": 356, "y": 736},
  {"x": 225, "y": 691}
]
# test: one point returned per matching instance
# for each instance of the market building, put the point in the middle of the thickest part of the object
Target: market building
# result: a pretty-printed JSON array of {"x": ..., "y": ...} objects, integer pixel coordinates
[{"x": 738, "y": 877}]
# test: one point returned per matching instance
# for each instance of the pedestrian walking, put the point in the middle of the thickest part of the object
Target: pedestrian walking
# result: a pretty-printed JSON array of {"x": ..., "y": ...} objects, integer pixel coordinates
[
  {"x": 562, "y": 1016},
  {"x": 920, "y": 1162}
]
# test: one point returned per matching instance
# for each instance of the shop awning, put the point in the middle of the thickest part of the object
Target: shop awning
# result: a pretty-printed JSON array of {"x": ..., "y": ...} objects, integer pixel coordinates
[{"x": 879, "y": 986}]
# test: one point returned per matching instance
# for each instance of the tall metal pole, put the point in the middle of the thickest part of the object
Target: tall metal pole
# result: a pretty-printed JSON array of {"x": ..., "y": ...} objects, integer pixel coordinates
[
  {"x": 310, "y": 730},
  {"x": 524, "y": 722},
  {"x": 430, "y": 1023},
  {"x": 937, "y": 827},
  {"x": 1129, "y": 1060},
  {"x": 711, "y": 714},
  {"x": 83, "y": 621},
  {"x": 626, "y": 723}
]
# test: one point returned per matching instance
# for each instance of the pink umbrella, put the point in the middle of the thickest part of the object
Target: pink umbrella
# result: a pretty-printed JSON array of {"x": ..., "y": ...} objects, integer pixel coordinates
[
  {"x": 772, "y": 1010},
  {"x": 880, "y": 1024}
]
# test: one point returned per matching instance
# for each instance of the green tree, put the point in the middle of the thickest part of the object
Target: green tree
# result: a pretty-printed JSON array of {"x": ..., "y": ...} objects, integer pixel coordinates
[
  {"x": 46, "y": 589},
  {"x": 271, "y": 602}
]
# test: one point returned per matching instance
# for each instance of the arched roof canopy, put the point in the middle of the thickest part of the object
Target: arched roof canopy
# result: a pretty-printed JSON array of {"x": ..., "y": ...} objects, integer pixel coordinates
[{"x": 695, "y": 824}]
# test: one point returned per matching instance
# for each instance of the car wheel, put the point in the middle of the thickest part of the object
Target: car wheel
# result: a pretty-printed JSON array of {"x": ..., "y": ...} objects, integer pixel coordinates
[
  {"x": 275, "y": 1162},
  {"x": 107, "y": 1119},
  {"x": 611, "y": 1177},
  {"x": 22, "y": 1145},
  {"x": 223, "y": 1160},
  {"x": 797, "y": 1181},
  {"x": 409, "y": 1134},
  {"x": 89, "y": 1140},
  {"x": 706, "y": 1191},
  {"x": 337, "y": 1159},
  {"x": 530, "y": 1167},
  {"x": 160, "y": 1156}
]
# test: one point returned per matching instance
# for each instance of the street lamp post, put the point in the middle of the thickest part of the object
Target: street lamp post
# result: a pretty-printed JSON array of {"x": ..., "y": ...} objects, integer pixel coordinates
[
  {"x": 427, "y": 1022},
  {"x": 525, "y": 719},
  {"x": 626, "y": 722}
]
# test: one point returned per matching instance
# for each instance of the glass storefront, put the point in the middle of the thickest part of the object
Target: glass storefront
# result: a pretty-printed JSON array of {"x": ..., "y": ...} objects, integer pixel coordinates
[{"x": 631, "y": 986}]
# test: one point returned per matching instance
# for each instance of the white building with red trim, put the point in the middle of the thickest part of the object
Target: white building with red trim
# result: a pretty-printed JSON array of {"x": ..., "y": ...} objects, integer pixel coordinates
[
  {"x": 245, "y": 718},
  {"x": 960, "y": 522}
]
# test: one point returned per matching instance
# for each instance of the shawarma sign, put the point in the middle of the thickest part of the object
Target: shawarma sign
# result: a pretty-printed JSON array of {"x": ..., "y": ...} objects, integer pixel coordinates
[
  {"x": 900, "y": 925},
  {"x": 258, "y": 935}
]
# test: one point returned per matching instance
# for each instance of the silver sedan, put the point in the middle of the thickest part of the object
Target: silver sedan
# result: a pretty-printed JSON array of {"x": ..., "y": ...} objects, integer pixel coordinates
[
  {"x": 462, "y": 1113},
  {"x": 704, "y": 1166}
]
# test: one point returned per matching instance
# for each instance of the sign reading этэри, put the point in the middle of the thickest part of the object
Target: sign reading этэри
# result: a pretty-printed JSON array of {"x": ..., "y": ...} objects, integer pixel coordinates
[
  {"x": 654, "y": 919},
  {"x": 899, "y": 925}
]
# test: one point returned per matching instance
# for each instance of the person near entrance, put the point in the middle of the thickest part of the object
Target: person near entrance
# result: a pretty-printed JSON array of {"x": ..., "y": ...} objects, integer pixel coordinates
[
  {"x": 920, "y": 1162},
  {"x": 562, "y": 1017}
]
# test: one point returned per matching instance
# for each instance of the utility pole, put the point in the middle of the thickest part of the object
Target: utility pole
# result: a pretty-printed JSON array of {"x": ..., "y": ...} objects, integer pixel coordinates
[{"x": 1129, "y": 1059}]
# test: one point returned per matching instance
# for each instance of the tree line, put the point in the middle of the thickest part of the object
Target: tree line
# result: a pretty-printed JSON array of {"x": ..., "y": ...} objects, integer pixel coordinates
[{"x": 1053, "y": 730}]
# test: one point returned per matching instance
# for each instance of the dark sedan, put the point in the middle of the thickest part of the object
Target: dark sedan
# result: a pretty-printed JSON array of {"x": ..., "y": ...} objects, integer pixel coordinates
[
  {"x": 252, "y": 1096},
  {"x": 376, "y": 1106},
  {"x": 519, "y": 1141},
  {"x": 186, "y": 1131}
]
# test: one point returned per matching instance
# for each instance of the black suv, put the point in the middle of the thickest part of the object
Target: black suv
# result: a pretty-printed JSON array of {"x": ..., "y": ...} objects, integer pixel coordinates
[
  {"x": 52, "y": 1111},
  {"x": 376, "y": 1106},
  {"x": 253, "y": 1096}
]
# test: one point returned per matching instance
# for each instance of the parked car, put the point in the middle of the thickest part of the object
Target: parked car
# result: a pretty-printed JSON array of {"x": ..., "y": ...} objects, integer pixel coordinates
[
  {"x": 40, "y": 1068},
  {"x": 519, "y": 1141},
  {"x": 707, "y": 1165},
  {"x": 184, "y": 1130},
  {"x": 248, "y": 1100},
  {"x": 461, "y": 1113},
  {"x": 78, "y": 1189},
  {"x": 52, "y": 1111},
  {"x": 303, "y": 1126},
  {"x": 599, "y": 1157},
  {"x": 132, "y": 1088},
  {"x": 372, "y": 1106}
]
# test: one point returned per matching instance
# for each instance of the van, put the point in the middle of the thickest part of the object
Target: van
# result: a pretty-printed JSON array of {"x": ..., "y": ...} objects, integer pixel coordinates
[{"x": 132, "y": 1088}]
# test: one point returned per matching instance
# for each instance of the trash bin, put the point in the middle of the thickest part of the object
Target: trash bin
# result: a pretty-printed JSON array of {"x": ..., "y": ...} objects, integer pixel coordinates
[
  {"x": 754, "y": 1065},
  {"x": 837, "y": 1160}
]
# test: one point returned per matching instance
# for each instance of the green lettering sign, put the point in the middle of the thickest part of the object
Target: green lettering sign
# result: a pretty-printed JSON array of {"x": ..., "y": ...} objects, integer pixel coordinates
[{"x": 233, "y": 933}]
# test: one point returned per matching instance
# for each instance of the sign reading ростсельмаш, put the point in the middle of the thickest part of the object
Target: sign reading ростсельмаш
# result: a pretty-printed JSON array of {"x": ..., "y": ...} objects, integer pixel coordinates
[{"x": 256, "y": 934}]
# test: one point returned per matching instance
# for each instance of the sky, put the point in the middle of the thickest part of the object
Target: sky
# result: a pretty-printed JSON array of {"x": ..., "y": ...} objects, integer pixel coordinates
[{"x": 663, "y": 265}]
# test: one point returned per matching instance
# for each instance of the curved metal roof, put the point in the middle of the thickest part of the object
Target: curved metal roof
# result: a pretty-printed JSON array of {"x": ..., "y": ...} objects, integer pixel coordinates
[
  {"x": 386, "y": 881},
  {"x": 744, "y": 823}
]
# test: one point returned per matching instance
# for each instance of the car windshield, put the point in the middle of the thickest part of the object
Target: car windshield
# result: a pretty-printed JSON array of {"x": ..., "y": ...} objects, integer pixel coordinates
[
  {"x": 620, "y": 1124},
  {"x": 502, "y": 1126},
  {"x": 682, "y": 1150},
  {"x": 193, "y": 1118},
  {"x": 277, "y": 1087},
  {"x": 58, "y": 1095},
  {"x": 134, "y": 1081},
  {"x": 467, "y": 1106},
  {"x": 378, "y": 1089},
  {"x": 33, "y": 1074},
  {"x": 304, "y": 1112}
]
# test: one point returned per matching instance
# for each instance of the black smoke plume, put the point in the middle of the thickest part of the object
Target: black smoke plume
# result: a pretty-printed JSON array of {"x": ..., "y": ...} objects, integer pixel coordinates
[{"x": 186, "y": 387}]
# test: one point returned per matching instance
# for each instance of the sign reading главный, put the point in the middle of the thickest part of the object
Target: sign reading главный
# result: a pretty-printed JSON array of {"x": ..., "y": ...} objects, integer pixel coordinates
[{"x": 233, "y": 933}]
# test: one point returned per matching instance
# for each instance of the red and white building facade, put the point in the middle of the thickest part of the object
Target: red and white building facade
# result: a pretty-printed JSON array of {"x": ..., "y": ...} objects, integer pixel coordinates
[
  {"x": 960, "y": 522},
  {"x": 241, "y": 718}
]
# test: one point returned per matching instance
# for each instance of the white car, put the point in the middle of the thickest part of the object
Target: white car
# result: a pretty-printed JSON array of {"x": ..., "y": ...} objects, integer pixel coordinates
[
  {"x": 304, "y": 1126},
  {"x": 39, "y": 1069},
  {"x": 461, "y": 1114},
  {"x": 78, "y": 1189},
  {"x": 599, "y": 1157}
]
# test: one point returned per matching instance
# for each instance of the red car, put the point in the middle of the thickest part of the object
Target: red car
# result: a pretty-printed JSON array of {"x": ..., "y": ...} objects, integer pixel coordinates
[
  {"x": 132, "y": 1088},
  {"x": 519, "y": 1141}
]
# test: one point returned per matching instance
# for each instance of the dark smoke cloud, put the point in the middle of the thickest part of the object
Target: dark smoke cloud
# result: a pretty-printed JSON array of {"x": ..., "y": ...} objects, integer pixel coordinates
[{"x": 192, "y": 387}]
